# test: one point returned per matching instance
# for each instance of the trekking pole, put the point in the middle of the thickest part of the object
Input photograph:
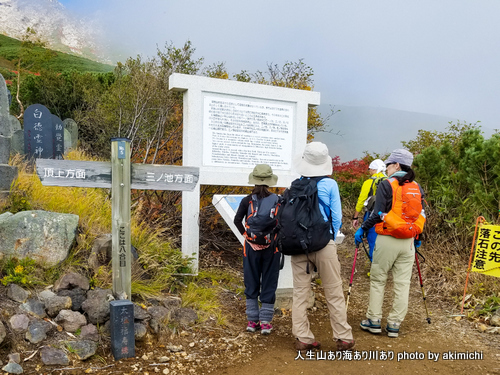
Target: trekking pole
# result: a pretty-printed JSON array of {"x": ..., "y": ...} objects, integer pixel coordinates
[
  {"x": 422, "y": 286},
  {"x": 352, "y": 275},
  {"x": 366, "y": 252}
]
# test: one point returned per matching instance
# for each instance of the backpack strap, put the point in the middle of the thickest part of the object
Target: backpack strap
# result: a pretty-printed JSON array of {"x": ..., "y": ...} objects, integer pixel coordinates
[
  {"x": 326, "y": 208},
  {"x": 370, "y": 193}
]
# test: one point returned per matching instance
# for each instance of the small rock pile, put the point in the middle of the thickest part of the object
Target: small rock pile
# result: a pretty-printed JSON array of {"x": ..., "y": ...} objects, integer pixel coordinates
[{"x": 74, "y": 310}]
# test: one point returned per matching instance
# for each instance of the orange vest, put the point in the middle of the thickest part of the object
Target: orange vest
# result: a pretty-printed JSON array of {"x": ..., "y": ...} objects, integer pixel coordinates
[{"x": 406, "y": 218}]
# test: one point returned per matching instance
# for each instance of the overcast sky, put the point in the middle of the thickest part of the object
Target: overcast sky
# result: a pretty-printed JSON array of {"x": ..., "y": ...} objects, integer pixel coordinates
[{"x": 439, "y": 57}]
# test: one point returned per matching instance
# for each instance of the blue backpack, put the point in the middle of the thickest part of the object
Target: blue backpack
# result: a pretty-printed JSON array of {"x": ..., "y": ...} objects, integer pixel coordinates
[{"x": 261, "y": 220}]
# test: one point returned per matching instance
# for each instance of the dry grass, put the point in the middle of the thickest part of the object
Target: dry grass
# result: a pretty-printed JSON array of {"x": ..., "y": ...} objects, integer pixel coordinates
[{"x": 158, "y": 260}]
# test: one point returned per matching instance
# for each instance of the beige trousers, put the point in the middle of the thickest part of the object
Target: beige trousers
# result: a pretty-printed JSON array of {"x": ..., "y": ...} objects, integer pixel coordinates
[
  {"x": 328, "y": 265},
  {"x": 396, "y": 255}
]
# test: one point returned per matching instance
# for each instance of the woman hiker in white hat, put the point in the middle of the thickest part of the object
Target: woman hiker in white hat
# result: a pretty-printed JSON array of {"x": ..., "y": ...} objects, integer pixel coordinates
[
  {"x": 392, "y": 251},
  {"x": 316, "y": 162},
  {"x": 261, "y": 262},
  {"x": 366, "y": 200}
]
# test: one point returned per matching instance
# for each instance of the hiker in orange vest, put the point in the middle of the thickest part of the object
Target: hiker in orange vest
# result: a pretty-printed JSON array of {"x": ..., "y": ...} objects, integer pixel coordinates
[{"x": 395, "y": 244}]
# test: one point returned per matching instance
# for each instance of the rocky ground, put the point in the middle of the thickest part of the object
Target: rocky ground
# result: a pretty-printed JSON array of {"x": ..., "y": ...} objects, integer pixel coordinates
[{"x": 209, "y": 348}]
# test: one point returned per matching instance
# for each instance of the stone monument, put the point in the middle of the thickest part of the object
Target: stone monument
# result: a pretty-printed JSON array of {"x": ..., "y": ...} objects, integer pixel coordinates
[
  {"x": 7, "y": 173},
  {"x": 38, "y": 132},
  {"x": 71, "y": 126},
  {"x": 57, "y": 138}
]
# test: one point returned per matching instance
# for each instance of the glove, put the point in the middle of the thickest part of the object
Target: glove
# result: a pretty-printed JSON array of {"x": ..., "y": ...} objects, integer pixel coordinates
[
  {"x": 358, "y": 236},
  {"x": 417, "y": 243}
]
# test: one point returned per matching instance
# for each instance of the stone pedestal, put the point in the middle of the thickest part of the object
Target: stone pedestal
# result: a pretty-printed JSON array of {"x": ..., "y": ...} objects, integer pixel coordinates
[{"x": 122, "y": 329}]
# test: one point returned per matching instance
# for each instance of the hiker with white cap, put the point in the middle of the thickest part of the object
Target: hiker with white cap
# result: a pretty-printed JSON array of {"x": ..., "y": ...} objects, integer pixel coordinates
[
  {"x": 261, "y": 262},
  {"x": 398, "y": 217},
  {"x": 315, "y": 162},
  {"x": 366, "y": 200}
]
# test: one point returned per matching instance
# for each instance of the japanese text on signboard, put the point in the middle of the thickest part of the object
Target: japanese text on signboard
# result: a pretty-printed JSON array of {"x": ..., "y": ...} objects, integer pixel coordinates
[{"x": 487, "y": 254}]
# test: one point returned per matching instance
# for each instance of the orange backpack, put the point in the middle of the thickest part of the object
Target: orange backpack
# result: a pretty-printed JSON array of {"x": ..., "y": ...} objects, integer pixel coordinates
[{"x": 406, "y": 218}]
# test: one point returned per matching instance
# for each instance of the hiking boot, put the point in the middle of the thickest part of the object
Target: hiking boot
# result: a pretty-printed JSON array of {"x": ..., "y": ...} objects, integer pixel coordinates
[
  {"x": 253, "y": 326},
  {"x": 302, "y": 346},
  {"x": 265, "y": 328},
  {"x": 344, "y": 345},
  {"x": 373, "y": 326},
  {"x": 392, "y": 329}
]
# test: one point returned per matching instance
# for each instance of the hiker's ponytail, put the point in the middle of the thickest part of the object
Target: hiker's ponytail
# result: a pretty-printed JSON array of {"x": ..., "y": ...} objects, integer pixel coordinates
[{"x": 409, "y": 176}]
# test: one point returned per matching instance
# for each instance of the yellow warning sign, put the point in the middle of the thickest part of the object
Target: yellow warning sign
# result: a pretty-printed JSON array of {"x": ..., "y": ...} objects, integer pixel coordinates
[{"x": 487, "y": 253}]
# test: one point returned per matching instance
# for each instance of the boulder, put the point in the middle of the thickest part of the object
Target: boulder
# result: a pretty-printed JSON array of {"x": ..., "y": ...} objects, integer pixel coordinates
[
  {"x": 19, "y": 322},
  {"x": 37, "y": 331},
  {"x": 77, "y": 296},
  {"x": 34, "y": 307},
  {"x": 57, "y": 303},
  {"x": 140, "y": 313},
  {"x": 185, "y": 316},
  {"x": 97, "y": 305},
  {"x": 89, "y": 332},
  {"x": 140, "y": 331},
  {"x": 13, "y": 368},
  {"x": 70, "y": 320},
  {"x": 159, "y": 317},
  {"x": 84, "y": 349},
  {"x": 43, "y": 236},
  {"x": 71, "y": 280},
  {"x": 53, "y": 356},
  {"x": 18, "y": 294}
]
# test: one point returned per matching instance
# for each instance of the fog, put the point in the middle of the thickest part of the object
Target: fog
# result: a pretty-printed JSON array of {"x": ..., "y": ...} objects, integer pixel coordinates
[{"x": 431, "y": 57}]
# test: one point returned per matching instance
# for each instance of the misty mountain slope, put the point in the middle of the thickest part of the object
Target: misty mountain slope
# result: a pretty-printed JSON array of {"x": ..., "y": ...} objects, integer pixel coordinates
[
  {"x": 52, "y": 24},
  {"x": 376, "y": 130}
]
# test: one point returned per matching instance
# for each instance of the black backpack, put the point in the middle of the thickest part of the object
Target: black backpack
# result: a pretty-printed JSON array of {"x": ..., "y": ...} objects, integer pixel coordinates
[
  {"x": 301, "y": 227},
  {"x": 261, "y": 221},
  {"x": 370, "y": 201}
]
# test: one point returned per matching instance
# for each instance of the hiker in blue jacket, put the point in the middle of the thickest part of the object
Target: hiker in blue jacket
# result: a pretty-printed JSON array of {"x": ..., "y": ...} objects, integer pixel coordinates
[
  {"x": 316, "y": 162},
  {"x": 261, "y": 262}
]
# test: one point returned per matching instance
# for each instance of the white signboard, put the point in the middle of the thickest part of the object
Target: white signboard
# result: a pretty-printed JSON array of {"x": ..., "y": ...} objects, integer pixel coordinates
[
  {"x": 228, "y": 128},
  {"x": 243, "y": 133}
]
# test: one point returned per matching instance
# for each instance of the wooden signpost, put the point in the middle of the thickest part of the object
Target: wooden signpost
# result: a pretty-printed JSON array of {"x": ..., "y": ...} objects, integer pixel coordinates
[{"x": 121, "y": 176}]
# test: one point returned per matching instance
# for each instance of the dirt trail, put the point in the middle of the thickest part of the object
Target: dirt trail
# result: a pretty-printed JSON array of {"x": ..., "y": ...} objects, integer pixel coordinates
[
  {"x": 411, "y": 352},
  {"x": 209, "y": 348}
]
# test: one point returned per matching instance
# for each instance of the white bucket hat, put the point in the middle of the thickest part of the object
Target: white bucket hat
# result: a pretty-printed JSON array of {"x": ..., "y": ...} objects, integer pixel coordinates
[{"x": 314, "y": 161}]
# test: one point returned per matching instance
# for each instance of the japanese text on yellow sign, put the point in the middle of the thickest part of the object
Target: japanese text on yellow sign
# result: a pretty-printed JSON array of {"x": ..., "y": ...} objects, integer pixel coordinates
[{"x": 487, "y": 254}]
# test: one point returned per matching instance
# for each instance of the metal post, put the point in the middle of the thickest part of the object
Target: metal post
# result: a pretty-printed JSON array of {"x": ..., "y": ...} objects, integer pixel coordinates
[{"x": 120, "y": 196}]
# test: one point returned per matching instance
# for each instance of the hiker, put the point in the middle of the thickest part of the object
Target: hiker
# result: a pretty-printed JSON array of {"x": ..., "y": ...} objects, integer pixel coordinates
[
  {"x": 392, "y": 251},
  {"x": 261, "y": 262},
  {"x": 316, "y": 162},
  {"x": 366, "y": 200}
]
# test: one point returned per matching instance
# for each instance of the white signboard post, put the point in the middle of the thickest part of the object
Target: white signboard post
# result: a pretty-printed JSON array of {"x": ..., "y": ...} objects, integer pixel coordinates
[{"x": 231, "y": 126}]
